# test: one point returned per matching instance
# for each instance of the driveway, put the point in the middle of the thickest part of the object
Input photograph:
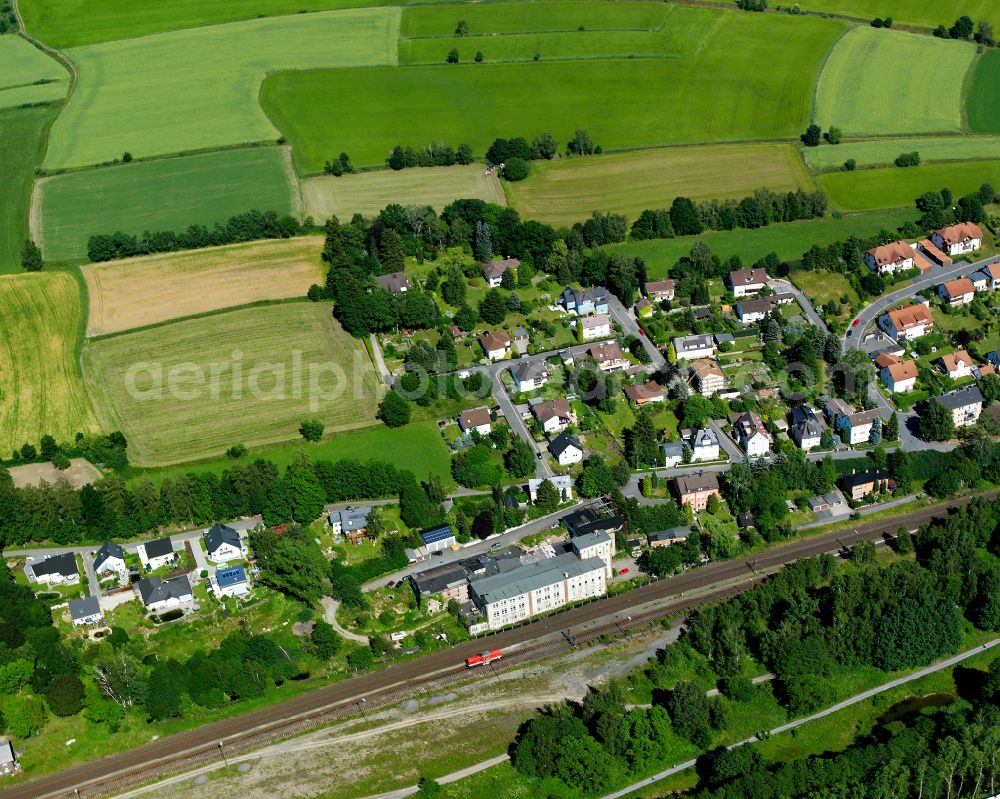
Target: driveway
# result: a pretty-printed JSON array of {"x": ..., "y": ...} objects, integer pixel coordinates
[
  {"x": 627, "y": 322},
  {"x": 784, "y": 286},
  {"x": 330, "y": 606}
]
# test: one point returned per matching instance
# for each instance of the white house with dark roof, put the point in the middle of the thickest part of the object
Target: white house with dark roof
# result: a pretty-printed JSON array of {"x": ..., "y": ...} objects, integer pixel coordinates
[
  {"x": 595, "y": 327},
  {"x": 673, "y": 453},
  {"x": 110, "y": 562},
  {"x": 563, "y": 483},
  {"x": 477, "y": 419},
  {"x": 223, "y": 544},
  {"x": 690, "y": 348},
  {"x": 154, "y": 554},
  {"x": 743, "y": 282},
  {"x": 529, "y": 375},
  {"x": 704, "y": 445},
  {"x": 86, "y": 612},
  {"x": 494, "y": 271},
  {"x": 753, "y": 435},
  {"x": 554, "y": 416},
  {"x": 159, "y": 595},
  {"x": 566, "y": 449},
  {"x": 52, "y": 570},
  {"x": 232, "y": 581},
  {"x": 351, "y": 523}
]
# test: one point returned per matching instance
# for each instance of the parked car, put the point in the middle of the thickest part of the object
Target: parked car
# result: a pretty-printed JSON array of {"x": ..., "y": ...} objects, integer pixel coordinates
[{"x": 623, "y": 571}]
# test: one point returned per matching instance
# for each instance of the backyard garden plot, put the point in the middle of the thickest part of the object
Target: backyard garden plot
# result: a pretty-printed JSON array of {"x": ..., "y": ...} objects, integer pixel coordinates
[
  {"x": 723, "y": 92},
  {"x": 928, "y": 13},
  {"x": 983, "y": 102},
  {"x": 40, "y": 387},
  {"x": 144, "y": 291},
  {"x": 564, "y": 192},
  {"x": 165, "y": 194},
  {"x": 369, "y": 192},
  {"x": 27, "y": 75},
  {"x": 894, "y": 187},
  {"x": 197, "y": 89},
  {"x": 250, "y": 376},
  {"x": 883, "y": 152},
  {"x": 882, "y": 82}
]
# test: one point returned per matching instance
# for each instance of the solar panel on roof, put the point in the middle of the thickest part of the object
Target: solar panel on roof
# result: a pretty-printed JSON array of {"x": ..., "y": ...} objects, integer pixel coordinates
[{"x": 436, "y": 534}]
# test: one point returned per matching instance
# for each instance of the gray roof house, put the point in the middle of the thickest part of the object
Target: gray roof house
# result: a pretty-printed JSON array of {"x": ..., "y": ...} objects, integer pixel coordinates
[
  {"x": 159, "y": 548},
  {"x": 109, "y": 551},
  {"x": 395, "y": 282},
  {"x": 154, "y": 591},
  {"x": 85, "y": 611},
  {"x": 54, "y": 568},
  {"x": 219, "y": 537}
]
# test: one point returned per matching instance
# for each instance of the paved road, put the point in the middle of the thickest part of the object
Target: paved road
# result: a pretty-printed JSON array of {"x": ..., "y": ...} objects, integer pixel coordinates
[
  {"x": 736, "y": 455},
  {"x": 939, "y": 666},
  {"x": 422, "y": 669},
  {"x": 623, "y": 316},
  {"x": 784, "y": 286},
  {"x": 384, "y": 373}
]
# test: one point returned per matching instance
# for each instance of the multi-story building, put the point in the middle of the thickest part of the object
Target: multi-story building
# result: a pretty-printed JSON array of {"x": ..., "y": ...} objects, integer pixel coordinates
[
  {"x": 690, "y": 348},
  {"x": 753, "y": 435},
  {"x": 957, "y": 292},
  {"x": 695, "y": 489},
  {"x": 965, "y": 405},
  {"x": 896, "y": 256},
  {"x": 659, "y": 290},
  {"x": 707, "y": 377},
  {"x": 959, "y": 239},
  {"x": 743, "y": 282},
  {"x": 897, "y": 375},
  {"x": 595, "y": 327},
  {"x": 908, "y": 322}
]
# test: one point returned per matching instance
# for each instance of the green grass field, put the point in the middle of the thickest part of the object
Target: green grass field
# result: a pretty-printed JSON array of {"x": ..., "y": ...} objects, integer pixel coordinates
[
  {"x": 983, "y": 102},
  {"x": 21, "y": 132},
  {"x": 164, "y": 194},
  {"x": 909, "y": 83},
  {"x": 564, "y": 192},
  {"x": 206, "y": 401},
  {"x": 369, "y": 192},
  {"x": 895, "y": 187},
  {"x": 719, "y": 95},
  {"x": 40, "y": 387},
  {"x": 160, "y": 95},
  {"x": 820, "y": 287},
  {"x": 882, "y": 152},
  {"x": 928, "y": 13},
  {"x": 21, "y": 66},
  {"x": 789, "y": 240}
]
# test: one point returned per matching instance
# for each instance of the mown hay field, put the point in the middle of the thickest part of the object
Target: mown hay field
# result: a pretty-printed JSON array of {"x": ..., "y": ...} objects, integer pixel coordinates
[
  {"x": 144, "y": 291},
  {"x": 882, "y": 82},
  {"x": 721, "y": 94},
  {"x": 40, "y": 387},
  {"x": 164, "y": 194},
  {"x": 896, "y": 187},
  {"x": 21, "y": 131},
  {"x": 983, "y": 102},
  {"x": 928, "y": 13},
  {"x": 883, "y": 152},
  {"x": 564, "y": 192},
  {"x": 369, "y": 192},
  {"x": 21, "y": 66},
  {"x": 197, "y": 89},
  {"x": 189, "y": 390}
]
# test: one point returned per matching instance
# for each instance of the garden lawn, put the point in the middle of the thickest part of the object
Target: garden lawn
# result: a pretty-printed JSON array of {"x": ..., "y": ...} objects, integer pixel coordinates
[
  {"x": 165, "y": 194},
  {"x": 144, "y": 291},
  {"x": 820, "y": 287},
  {"x": 159, "y": 94},
  {"x": 21, "y": 131},
  {"x": 897, "y": 187},
  {"x": 191, "y": 389},
  {"x": 983, "y": 101},
  {"x": 882, "y": 82},
  {"x": 369, "y": 192},
  {"x": 564, "y": 192},
  {"x": 22, "y": 66},
  {"x": 928, "y": 13},
  {"x": 722, "y": 90},
  {"x": 790, "y": 239},
  {"x": 883, "y": 152},
  {"x": 40, "y": 387}
]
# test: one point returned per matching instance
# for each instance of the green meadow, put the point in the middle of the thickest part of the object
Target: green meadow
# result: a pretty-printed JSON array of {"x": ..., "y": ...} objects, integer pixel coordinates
[
  {"x": 983, "y": 102},
  {"x": 197, "y": 89},
  {"x": 883, "y": 152},
  {"x": 884, "y": 82},
  {"x": 927, "y": 13},
  {"x": 164, "y": 194},
  {"x": 896, "y": 187},
  {"x": 27, "y": 75},
  {"x": 721, "y": 94}
]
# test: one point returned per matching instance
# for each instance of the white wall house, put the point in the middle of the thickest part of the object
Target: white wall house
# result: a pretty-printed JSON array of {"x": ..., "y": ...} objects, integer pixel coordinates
[
  {"x": 223, "y": 544},
  {"x": 959, "y": 239},
  {"x": 896, "y": 256},
  {"x": 563, "y": 483},
  {"x": 566, "y": 449},
  {"x": 595, "y": 327},
  {"x": 158, "y": 553}
]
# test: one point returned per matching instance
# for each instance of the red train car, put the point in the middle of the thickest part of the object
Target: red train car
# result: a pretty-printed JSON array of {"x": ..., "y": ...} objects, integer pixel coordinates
[{"x": 483, "y": 659}]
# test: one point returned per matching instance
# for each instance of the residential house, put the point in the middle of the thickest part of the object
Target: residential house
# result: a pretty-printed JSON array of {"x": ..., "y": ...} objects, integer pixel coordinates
[
  {"x": 957, "y": 292},
  {"x": 586, "y": 521},
  {"x": 695, "y": 489},
  {"x": 86, "y": 612},
  {"x": 563, "y": 483},
  {"x": 438, "y": 538},
  {"x": 859, "y": 485},
  {"x": 667, "y": 538},
  {"x": 744, "y": 282},
  {"x": 584, "y": 301},
  {"x": 965, "y": 237},
  {"x": 704, "y": 445},
  {"x": 223, "y": 544},
  {"x": 8, "y": 759},
  {"x": 690, "y": 348},
  {"x": 230, "y": 582},
  {"x": 707, "y": 377},
  {"x": 494, "y": 271},
  {"x": 159, "y": 595},
  {"x": 745, "y": 521},
  {"x": 806, "y": 430},
  {"x": 520, "y": 341},
  {"x": 395, "y": 283},
  {"x": 896, "y": 256},
  {"x": 992, "y": 274},
  {"x": 352, "y": 523},
  {"x": 644, "y": 308},
  {"x": 566, "y": 449},
  {"x": 554, "y": 416},
  {"x": 449, "y": 581},
  {"x": 529, "y": 375},
  {"x": 52, "y": 570},
  {"x": 752, "y": 311},
  {"x": 987, "y": 369},
  {"x": 673, "y": 453},
  {"x": 659, "y": 290},
  {"x": 964, "y": 403},
  {"x": 753, "y": 435},
  {"x": 608, "y": 357},
  {"x": 477, "y": 419},
  {"x": 495, "y": 345},
  {"x": 956, "y": 364},
  {"x": 110, "y": 561},
  {"x": 908, "y": 322},
  {"x": 829, "y": 501},
  {"x": 644, "y": 393},
  {"x": 858, "y": 423},
  {"x": 596, "y": 326},
  {"x": 154, "y": 554},
  {"x": 981, "y": 281},
  {"x": 897, "y": 375}
]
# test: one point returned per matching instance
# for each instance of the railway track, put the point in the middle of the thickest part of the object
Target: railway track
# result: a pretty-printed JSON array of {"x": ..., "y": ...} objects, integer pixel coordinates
[{"x": 542, "y": 638}]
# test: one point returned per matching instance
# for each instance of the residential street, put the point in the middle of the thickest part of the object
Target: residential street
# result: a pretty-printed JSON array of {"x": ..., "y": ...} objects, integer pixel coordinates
[
  {"x": 623, "y": 316},
  {"x": 785, "y": 286}
]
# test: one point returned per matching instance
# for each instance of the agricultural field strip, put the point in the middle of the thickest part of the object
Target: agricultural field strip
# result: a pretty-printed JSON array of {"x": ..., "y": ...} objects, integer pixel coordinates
[
  {"x": 926, "y": 13},
  {"x": 883, "y": 152},
  {"x": 27, "y": 75},
  {"x": 162, "y": 194},
  {"x": 982, "y": 103},
  {"x": 126, "y": 99},
  {"x": 157, "y": 288}
]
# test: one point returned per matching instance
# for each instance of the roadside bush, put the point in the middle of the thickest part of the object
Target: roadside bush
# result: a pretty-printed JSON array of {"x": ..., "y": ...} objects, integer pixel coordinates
[{"x": 516, "y": 169}]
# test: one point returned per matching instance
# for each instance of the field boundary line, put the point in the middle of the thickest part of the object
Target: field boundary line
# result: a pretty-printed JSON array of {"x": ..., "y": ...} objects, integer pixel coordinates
[
  {"x": 294, "y": 184},
  {"x": 966, "y": 86},
  {"x": 819, "y": 75},
  {"x": 35, "y": 227}
]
